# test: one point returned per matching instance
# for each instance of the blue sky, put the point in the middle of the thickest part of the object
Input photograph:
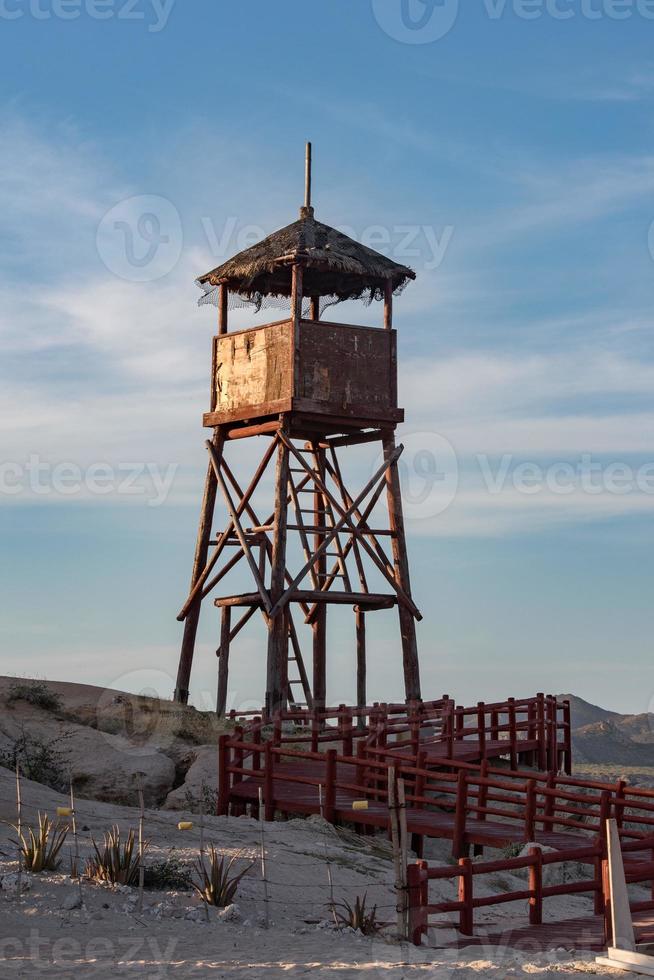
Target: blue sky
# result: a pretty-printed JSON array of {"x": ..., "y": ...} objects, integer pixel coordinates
[{"x": 509, "y": 159}]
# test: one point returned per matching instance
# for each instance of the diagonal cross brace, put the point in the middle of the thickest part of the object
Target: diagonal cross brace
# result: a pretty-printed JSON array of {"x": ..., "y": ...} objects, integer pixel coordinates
[
  {"x": 198, "y": 588},
  {"x": 331, "y": 534},
  {"x": 346, "y": 518},
  {"x": 233, "y": 513}
]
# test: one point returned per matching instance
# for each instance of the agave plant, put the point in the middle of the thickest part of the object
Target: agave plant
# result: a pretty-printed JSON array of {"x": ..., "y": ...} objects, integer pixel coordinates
[
  {"x": 358, "y": 916},
  {"x": 39, "y": 848},
  {"x": 115, "y": 861},
  {"x": 218, "y": 885}
]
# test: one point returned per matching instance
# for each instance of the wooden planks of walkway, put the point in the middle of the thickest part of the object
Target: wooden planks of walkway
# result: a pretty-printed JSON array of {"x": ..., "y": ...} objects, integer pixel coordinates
[
  {"x": 296, "y": 791},
  {"x": 575, "y": 935}
]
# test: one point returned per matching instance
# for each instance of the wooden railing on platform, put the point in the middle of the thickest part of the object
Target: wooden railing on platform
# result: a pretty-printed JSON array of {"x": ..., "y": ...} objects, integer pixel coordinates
[
  {"x": 535, "y": 731},
  {"x": 473, "y": 805},
  {"x": 420, "y": 873}
]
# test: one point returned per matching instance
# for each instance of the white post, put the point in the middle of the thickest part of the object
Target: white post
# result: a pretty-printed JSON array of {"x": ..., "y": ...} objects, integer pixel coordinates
[
  {"x": 264, "y": 876},
  {"x": 141, "y": 868},
  {"x": 623, "y": 927},
  {"x": 19, "y": 827},
  {"x": 330, "y": 878}
]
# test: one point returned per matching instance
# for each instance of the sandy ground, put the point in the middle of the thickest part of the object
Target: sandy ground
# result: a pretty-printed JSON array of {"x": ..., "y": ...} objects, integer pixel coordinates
[
  {"x": 51, "y": 930},
  {"x": 172, "y": 936}
]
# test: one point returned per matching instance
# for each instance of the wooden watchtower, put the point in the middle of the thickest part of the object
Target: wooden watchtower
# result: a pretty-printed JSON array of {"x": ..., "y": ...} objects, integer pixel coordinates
[{"x": 310, "y": 388}]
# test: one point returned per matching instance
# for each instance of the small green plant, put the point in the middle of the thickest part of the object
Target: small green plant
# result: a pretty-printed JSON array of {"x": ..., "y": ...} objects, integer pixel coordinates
[
  {"x": 206, "y": 800},
  {"x": 218, "y": 885},
  {"x": 359, "y": 916},
  {"x": 39, "y": 848},
  {"x": 34, "y": 692},
  {"x": 170, "y": 874},
  {"x": 115, "y": 861},
  {"x": 44, "y": 762}
]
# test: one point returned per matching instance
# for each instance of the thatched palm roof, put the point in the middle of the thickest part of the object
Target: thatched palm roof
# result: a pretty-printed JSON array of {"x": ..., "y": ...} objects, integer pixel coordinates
[{"x": 334, "y": 265}]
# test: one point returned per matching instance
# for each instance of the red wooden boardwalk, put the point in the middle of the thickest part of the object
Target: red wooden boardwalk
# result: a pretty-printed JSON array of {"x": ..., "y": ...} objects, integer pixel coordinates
[
  {"x": 303, "y": 797},
  {"x": 583, "y": 934}
]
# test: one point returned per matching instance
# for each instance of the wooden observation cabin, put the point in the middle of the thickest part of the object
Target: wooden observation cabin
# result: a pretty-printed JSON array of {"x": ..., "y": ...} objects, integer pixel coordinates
[{"x": 310, "y": 388}]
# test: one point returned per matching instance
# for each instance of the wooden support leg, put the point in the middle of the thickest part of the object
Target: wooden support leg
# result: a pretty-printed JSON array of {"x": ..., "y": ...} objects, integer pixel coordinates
[
  {"x": 319, "y": 625},
  {"x": 223, "y": 660},
  {"x": 277, "y": 665},
  {"x": 361, "y": 662},
  {"x": 401, "y": 562},
  {"x": 199, "y": 562}
]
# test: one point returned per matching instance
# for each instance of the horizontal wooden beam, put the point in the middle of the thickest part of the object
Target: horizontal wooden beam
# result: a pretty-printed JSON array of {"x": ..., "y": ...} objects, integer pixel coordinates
[
  {"x": 350, "y": 440},
  {"x": 355, "y": 531},
  {"x": 246, "y": 431},
  {"x": 211, "y": 419},
  {"x": 363, "y": 599},
  {"x": 304, "y": 596}
]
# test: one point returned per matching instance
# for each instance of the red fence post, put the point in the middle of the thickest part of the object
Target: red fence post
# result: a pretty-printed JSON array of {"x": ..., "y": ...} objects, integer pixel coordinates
[
  {"x": 481, "y": 725},
  {"x": 449, "y": 729},
  {"x": 330, "y": 786},
  {"x": 459, "y": 847},
  {"x": 552, "y": 737},
  {"x": 541, "y": 728},
  {"x": 460, "y": 723},
  {"x": 513, "y": 736},
  {"x": 532, "y": 730},
  {"x": 256, "y": 756},
  {"x": 223, "y": 775},
  {"x": 550, "y": 802},
  {"x": 340, "y": 724},
  {"x": 536, "y": 887},
  {"x": 466, "y": 915},
  {"x": 417, "y": 923},
  {"x": 315, "y": 730},
  {"x": 269, "y": 783},
  {"x": 619, "y": 802},
  {"x": 238, "y": 807},
  {"x": 348, "y": 733},
  {"x": 530, "y": 811},
  {"x": 482, "y": 797},
  {"x": 567, "y": 738}
]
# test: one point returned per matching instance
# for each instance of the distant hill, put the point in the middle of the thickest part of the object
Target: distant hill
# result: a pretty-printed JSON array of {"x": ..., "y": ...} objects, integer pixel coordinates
[
  {"x": 583, "y": 713},
  {"x": 609, "y": 741}
]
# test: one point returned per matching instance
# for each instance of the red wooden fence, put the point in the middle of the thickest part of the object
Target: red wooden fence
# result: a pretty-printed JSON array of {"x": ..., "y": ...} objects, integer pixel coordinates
[
  {"x": 535, "y": 731},
  {"x": 466, "y": 872}
]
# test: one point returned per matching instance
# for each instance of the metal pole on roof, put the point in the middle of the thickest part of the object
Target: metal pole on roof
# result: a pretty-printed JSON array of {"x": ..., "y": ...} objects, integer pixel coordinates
[{"x": 307, "y": 180}]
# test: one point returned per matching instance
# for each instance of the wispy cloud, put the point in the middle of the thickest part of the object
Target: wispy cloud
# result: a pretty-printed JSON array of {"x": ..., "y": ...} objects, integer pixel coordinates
[{"x": 107, "y": 369}]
